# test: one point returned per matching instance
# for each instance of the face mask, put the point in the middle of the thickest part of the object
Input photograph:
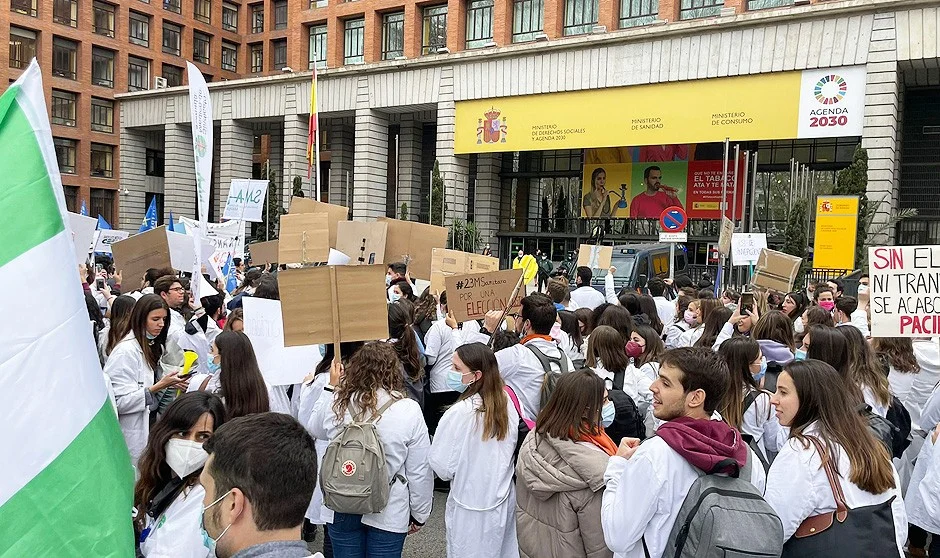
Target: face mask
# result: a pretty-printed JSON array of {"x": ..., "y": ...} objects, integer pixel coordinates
[
  {"x": 689, "y": 317},
  {"x": 388, "y": 280},
  {"x": 150, "y": 336},
  {"x": 800, "y": 354},
  {"x": 455, "y": 381},
  {"x": 827, "y": 305},
  {"x": 763, "y": 369},
  {"x": 393, "y": 296},
  {"x": 208, "y": 541},
  {"x": 634, "y": 349},
  {"x": 607, "y": 414},
  {"x": 555, "y": 333},
  {"x": 185, "y": 456},
  {"x": 798, "y": 325},
  {"x": 213, "y": 366}
]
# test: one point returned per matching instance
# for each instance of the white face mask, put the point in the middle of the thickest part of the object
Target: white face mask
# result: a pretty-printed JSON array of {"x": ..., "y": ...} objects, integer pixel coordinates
[
  {"x": 798, "y": 325},
  {"x": 185, "y": 456},
  {"x": 862, "y": 289}
]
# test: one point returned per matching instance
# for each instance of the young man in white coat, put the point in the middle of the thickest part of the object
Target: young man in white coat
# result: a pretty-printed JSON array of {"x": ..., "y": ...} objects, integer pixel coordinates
[
  {"x": 586, "y": 296},
  {"x": 646, "y": 484}
]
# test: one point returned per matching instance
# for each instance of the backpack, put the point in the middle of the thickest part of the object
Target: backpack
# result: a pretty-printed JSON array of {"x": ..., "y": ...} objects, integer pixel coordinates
[
  {"x": 628, "y": 422},
  {"x": 883, "y": 430},
  {"x": 525, "y": 425},
  {"x": 724, "y": 516},
  {"x": 900, "y": 417},
  {"x": 748, "y": 439},
  {"x": 551, "y": 377},
  {"x": 354, "y": 474}
]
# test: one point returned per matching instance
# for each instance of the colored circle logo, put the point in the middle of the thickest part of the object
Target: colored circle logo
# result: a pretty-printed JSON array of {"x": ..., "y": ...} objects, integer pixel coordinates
[
  {"x": 201, "y": 145},
  {"x": 830, "y": 89},
  {"x": 349, "y": 468}
]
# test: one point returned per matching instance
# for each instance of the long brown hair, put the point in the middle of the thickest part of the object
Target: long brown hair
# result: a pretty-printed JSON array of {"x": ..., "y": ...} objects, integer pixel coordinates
[
  {"x": 243, "y": 386},
  {"x": 654, "y": 345},
  {"x": 774, "y": 326},
  {"x": 121, "y": 310},
  {"x": 374, "y": 367},
  {"x": 898, "y": 352},
  {"x": 153, "y": 349},
  {"x": 864, "y": 365},
  {"x": 607, "y": 345},
  {"x": 717, "y": 319},
  {"x": 838, "y": 422},
  {"x": 400, "y": 319},
  {"x": 237, "y": 315},
  {"x": 425, "y": 307},
  {"x": 180, "y": 416},
  {"x": 707, "y": 306},
  {"x": 479, "y": 357},
  {"x": 739, "y": 353},
  {"x": 574, "y": 408}
]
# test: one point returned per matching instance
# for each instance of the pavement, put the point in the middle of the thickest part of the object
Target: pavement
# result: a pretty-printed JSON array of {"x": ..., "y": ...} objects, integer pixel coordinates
[{"x": 429, "y": 542}]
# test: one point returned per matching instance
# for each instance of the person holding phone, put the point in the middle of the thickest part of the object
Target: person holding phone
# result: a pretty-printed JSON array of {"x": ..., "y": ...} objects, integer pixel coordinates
[{"x": 740, "y": 323}]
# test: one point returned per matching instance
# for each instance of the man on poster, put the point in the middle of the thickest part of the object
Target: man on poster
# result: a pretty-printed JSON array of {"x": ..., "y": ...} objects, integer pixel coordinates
[{"x": 651, "y": 203}]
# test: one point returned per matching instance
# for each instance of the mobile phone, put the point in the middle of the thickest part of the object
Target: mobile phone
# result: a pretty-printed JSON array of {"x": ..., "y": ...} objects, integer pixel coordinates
[
  {"x": 747, "y": 301},
  {"x": 99, "y": 282}
]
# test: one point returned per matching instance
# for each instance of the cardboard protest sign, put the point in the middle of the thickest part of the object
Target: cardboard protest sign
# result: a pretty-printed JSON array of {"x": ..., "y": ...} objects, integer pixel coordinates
[
  {"x": 746, "y": 247},
  {"x": 155, "y": 248},
  {"x": 363, "y": 242},
  {"x": 775, "y": 271},
  {"x": 333, "y": 304},
  {"x": 471, "y": 296},
  {"x": 280, "y": 365},
  {"x": 724, "y": 236},
  {"x": 246, "y": 200},
  {"x": 594, "y": 256},
  {"x": 304, "y": 239},
  {"x": 83, "y": 235},
  {"x": 337, "y": 258},
  {"x": 412, "y": 243},
  {"x": 263, "y": 252},
  {"x": 446, "y": 262},
  {"x": 106, "y": 238},
  {"x": 335, "y": 213},
  {"x": 905, "y": 282}
]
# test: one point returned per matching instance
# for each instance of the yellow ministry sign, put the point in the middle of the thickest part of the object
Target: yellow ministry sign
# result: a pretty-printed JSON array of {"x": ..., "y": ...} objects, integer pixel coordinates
[
  {"x": 828, "y": 102},
  {"x": 836, "y": 226}
]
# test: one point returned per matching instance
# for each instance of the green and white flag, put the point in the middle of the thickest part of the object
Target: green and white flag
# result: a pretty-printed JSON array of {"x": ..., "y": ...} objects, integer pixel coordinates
[{"x": 66, "y": 482}]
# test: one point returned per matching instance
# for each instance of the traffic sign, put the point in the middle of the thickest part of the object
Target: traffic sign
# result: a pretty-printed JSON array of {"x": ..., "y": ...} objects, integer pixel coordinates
[{"x": 673, "y": 219}]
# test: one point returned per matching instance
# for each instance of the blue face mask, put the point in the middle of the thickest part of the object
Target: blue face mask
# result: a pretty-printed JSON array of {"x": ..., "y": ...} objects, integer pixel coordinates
[
  {"x": 800, "y": 354},
  {"x": 213, "y": 366},
  {"x": 150, "y": 336},
  {"x": 607, "y": 414},
  {"x": 207, "y": 540},
  {"x": 455, "y": 381},
  {"x": 763, "y": 369}
]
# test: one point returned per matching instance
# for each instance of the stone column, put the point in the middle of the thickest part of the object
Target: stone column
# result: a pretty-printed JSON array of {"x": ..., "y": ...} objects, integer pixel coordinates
[
  {"x": 235, "y": 148},
  {"x": 342, "y": 153},
  {"x": 370, "y": 164},
  {"x": 454, "y": 168},
  {"x": 409, "y": 163},
  {"x": 487, "y": 199},
  {"x": 133, "y": 174},
  {"x": 179, "y": 185},
  {"x": 296, "y": 129}
]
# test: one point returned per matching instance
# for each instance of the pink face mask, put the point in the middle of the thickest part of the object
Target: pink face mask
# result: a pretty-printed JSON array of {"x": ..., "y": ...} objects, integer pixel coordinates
[
  {"x": 634, "y": 350},
  {"x": 827, "y": 305}
]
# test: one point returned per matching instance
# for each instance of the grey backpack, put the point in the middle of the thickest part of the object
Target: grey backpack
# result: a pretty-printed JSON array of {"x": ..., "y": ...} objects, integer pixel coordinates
[
  {"x": 551, "y": 376},
  {"x": 354, "y": 475},
  {"x": 725, "y": 516}
]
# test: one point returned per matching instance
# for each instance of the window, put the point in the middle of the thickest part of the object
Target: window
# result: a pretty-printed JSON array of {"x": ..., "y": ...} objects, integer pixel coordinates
[
  {"x": 393, "y": 35},
  {"x": 65, "y": 12},
  {"x": 155, "y": 163},
  {"x": 202, "y": 11},
  {"x": 139, "y": 29},
  {"x": 229, "y": 16},
  {"x": 201, "y": 44},
  {"x": 434, "y": 29},
  {"x": 257, "y": 57},
  {"x": 172, "y": 6},
  {"x": 64, "y": 58},
  {"x": 171, "y": 38},
  {"x": 479, "y": 23},
  {"x": 580, "y": 16},
  {"x": 65, "y": 152},
  {"x": 280, "y": 14},
  {"x": 102, "y": 67},
  {"x": 634, "y": 13},
  {"x": 63, "y": 107},
  {"x": 22, "y": 47},
  {"x": 317, "y": 50},
  {"x": 138, "y": 74},
  {"x": 101, "y": 160},
  {"x": 279, "y": 53},
  {"x": 27, "y": 7},
  {"x": 104, "y": 19},
  {"x": 526, "y": 19},
  {"x": 71, "y": 198},
  {"x": 229, "y": 56},
  {"x": 257, "y": 18},
  {"x": 354, "y": 41},
  {"x": 764, "y": 4},
  {"x": 173, "y": 75},
  {"x": 691, "y": 9},
  {"x": 102, "y": 115},
  {"x": 102, "y": 203}
]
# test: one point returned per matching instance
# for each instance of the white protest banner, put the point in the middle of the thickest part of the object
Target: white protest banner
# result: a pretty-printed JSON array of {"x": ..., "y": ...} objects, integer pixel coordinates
[
  {"x": 228, "y": 237},
  {"x": 746, "y": 247},
  {"x": 279, "y": 365},
  {"x": 246, "y": 200},
  {"x": 200, "y": 106},
  {"x": 905, "y": 291},
  {"x": 106, "y": 238},
  {"x": 83, "y": 234}
]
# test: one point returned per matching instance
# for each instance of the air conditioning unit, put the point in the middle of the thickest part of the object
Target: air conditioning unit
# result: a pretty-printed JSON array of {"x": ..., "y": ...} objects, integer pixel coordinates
[
  {"x": 599, "y": 29},
  {"x": 541, "y": 37},
  {"x": 159, "y": 82}
]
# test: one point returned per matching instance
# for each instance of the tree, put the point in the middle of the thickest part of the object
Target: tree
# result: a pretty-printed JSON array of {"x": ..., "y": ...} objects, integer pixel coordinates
[
  {"x": 464, "y": 235},
  {"x": 298, "y": 190},
  {"x": 438, "y": 207},
  {"x": 273, "y": 209},
  {"x": 853, "y": 181},
  {"x": 403, "y": 212}
]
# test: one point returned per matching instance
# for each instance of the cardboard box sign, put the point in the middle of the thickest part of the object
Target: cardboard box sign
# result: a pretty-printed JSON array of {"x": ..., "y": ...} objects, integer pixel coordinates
[
  {"x": 263, "y": 252},
  {"x": 446, "y": 262},
  {"x": 155, "y": 248},
  {"x": 363, "y": 242},
  {"x": 775, "y": 271},
  {"x": 334, "y": 213},
  {"x": 304, "y": 239},
  {"x": 724, "y": 236},
  {"x": 412, "y": 243},
  {"x": 471, "y": 296},
  {"x": 333, "y": 304},
  {"x": 594, "y": 256}
]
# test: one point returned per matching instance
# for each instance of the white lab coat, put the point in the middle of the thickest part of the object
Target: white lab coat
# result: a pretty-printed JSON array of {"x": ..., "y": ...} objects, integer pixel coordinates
[
  {"x": 405, "y": 440},
  {"x": 480, "y": 514},
  {"x": 690, "y": 337},
  {"x": 197, "y": 343},
  {"x": 760, "y": 421},
  {"x": 877, "y": 407},
  {"x": 131, "y": 377},
  {"x": 797, "y": 488},
  {"x": 439, "y": 348},
  {"x": 673, "y": 332},
  {"x": 309, "y": 394},
  {"x": 928, "y": 357},
  {"x": 666, "y": 309},
  {"x": 278, "y": 400},
  {"x": 176, "y": 532},
  {"x": 644, "y": 495},
  {"x": 587, "y": 297},
  {"x": 177, "y": 326}
]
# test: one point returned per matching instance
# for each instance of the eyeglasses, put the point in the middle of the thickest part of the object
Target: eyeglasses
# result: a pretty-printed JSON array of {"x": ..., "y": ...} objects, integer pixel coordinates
[{"x": 177, "y": 289}]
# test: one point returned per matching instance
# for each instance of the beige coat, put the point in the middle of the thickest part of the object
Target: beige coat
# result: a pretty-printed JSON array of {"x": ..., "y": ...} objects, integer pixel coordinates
[{"x": 559, "y": 485}]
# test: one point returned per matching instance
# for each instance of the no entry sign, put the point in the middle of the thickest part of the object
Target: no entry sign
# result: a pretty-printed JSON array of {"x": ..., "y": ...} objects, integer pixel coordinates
[{"x": 673, "y": 219}]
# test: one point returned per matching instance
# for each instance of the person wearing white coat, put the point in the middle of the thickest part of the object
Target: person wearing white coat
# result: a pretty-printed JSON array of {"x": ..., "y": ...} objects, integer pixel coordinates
[
  {"x": 131, "y": 368},
  {"x": 473, "y": 448},
  {"x": 924, "y": 485},
  {"x": 807, "y": 402}
]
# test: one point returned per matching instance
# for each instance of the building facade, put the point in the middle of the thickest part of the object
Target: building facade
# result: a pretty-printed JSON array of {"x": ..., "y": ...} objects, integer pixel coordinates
[{"x": 386, "y": 121}]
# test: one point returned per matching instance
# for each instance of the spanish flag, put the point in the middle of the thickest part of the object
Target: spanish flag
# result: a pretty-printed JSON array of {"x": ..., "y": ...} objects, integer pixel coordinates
[{"x": 312, "y": 133}]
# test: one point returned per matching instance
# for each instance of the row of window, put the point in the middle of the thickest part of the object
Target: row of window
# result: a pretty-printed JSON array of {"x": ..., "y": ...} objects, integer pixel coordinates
[
  {"x": 101, "y": 202},
  {"x": 257, "y": 16},
  {"x": 278, "y": 54},
  {"x": 101, "y": 159},
  {"x": 65, "y": 12},
  {"x": 65, "y": 111}
]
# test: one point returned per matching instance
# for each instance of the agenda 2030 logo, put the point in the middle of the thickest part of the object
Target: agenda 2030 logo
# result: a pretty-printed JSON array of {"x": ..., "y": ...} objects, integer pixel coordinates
[{"x": 829, "y": 91}]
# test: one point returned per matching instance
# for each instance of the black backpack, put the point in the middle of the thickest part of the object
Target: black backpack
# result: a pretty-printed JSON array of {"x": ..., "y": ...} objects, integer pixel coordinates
[
  {"x": 900, "y": 418},
  {"x": 628, "y": 423}
]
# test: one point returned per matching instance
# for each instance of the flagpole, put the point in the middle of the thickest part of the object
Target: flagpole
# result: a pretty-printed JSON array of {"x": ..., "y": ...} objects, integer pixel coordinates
[{"x": 316, "y": 160}]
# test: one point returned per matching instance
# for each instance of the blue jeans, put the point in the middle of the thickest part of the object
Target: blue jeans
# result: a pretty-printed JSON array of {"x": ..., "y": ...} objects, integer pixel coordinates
[{"x": 352, "y": 539}]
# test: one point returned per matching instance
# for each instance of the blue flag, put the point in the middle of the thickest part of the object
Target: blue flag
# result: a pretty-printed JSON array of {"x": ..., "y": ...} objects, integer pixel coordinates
[
  {"x": 150, "y": 219},
  {"x": 231, "y": 283},
  {"x": 83, "y": 210},
  {"x": 103, "y": 224},
  {"x": 170, "y": 227}
]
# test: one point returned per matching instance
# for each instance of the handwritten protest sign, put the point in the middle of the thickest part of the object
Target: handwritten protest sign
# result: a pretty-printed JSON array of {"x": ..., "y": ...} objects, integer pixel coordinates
[
  {"x": 246, "y": 200},
  {"x": 594, "y": 256},
  {"x": 280, "y": 365},
  {"x": 106, "y": 238},
  {"x": 746, "y": 247},
  {"x": 446, "y": 262},
  {"x": 905, "y": 291},
  {"x": 470, "y": 297}
]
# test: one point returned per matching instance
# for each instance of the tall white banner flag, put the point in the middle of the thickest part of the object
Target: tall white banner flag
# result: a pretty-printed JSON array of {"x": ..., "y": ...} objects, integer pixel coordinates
[{"x": 200, "y": 106}]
